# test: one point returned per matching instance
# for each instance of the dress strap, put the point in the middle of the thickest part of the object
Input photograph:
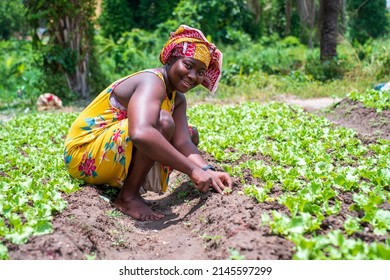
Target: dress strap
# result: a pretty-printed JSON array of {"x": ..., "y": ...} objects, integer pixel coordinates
[
  {"x": 158, "y": 73},
  {"x": 154, "y": 71}
]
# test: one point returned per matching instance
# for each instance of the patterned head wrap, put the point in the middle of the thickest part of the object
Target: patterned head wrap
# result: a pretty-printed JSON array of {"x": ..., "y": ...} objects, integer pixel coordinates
[{"x": 190, "y": 42}]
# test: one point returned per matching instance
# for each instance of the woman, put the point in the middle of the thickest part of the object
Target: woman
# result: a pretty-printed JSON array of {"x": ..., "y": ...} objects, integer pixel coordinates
[{"x": 141, "y": 119}]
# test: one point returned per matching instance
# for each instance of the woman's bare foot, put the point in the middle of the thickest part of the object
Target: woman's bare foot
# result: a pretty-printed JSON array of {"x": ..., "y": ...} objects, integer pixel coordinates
[
  {"x": 136, "y": 208},
  {"x": 147, "y": 202}
]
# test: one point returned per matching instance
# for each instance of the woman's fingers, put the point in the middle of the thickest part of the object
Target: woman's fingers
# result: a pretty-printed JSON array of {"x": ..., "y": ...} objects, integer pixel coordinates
[
  {"x": 218, "y": 186},
  {"x": 218, "y": 180},
  {"x": 225, "y": 179},
  {"x": 204, "y": 186}
]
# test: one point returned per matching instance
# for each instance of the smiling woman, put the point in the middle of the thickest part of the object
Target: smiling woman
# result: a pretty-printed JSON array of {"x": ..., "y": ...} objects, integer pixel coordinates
[
  {"x": 187, "y": 73},
  {"x": 141, "y": 120}
]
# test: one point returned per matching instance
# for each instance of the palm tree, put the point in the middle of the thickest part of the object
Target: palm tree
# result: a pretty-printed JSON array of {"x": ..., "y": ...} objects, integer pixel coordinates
[{"x": 329, "y": 12}]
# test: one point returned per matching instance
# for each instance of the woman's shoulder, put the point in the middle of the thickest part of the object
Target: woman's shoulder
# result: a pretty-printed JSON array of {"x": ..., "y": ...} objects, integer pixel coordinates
[
  {"x": 150, "y": 75},
  {"x": 180, "y": 98},
  {"x": 143, "y": 80}
]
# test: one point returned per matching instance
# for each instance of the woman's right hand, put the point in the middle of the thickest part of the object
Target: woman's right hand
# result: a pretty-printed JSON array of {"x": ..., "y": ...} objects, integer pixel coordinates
[{"x": 201, "y": 179}]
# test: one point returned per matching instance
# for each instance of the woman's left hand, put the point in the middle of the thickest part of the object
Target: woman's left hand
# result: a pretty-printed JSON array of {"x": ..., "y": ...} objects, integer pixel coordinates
[{"x": 220, "y": 180}]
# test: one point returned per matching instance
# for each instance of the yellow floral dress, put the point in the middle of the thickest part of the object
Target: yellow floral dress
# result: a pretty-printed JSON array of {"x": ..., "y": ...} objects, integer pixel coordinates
[{"x": 98, "y": 148}]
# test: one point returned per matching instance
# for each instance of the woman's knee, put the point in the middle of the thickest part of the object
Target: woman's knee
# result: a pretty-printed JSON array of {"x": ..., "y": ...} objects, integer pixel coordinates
[
  {"x": 194, "y": 134},
  {"x": 166, "y": 125}
]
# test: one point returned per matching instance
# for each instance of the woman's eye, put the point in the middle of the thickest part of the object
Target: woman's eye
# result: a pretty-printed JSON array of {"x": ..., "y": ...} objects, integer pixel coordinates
[
  {"x": 187, "y": 66},
  {"x": 201, "y": 73}
]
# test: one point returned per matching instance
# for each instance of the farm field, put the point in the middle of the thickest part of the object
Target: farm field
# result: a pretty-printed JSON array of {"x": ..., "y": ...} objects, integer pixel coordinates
[{"x": 307, "y": 185}]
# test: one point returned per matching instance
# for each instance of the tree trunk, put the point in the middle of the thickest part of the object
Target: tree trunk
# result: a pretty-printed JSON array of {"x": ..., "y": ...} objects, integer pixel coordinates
[
  {"x": 255, "y": 7},
  {"x": 303, "y": 11},
  {"x": 312, "y": 18},
  {"x": 330, "y": 10},
  {"x": 70, "y": 29},
  {"x": 71, "y": 33},
  {"x": 288, "y": 17}
]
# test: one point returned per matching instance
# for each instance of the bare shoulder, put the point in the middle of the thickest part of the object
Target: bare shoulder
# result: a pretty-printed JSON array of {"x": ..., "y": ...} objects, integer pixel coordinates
[{"x": 143, "y": 81}]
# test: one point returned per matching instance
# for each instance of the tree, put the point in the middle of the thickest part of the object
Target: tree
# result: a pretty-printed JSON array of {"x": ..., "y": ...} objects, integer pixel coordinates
[
  {"x": 288, "y": 10},
  {"x": 69, "y": 25},
  {"x": 329, "y": 15},
  {"x": 150, "y": 13},
  {"x": 367, "y": 19},
  {"x": 12, "y": 18},
  {"x": 307, "y": 14},
  {"x": 222, "y": 20},
  {"x": 119, "y": 16}
]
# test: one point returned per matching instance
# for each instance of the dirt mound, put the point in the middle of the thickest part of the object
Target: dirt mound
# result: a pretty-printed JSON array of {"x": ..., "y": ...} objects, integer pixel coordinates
[
  {"x": 346, "y": 112},
  {"x": 366, "y": 121},
  {"x": 196, "y": 226}
]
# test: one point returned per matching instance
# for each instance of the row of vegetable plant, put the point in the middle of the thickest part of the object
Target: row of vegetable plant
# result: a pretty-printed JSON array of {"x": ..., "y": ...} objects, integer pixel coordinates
[
  {"x": 316, "y": 165},
  {"x": 371, "y": 98},
  {"x": 32, "y": 175},
  {"x": 325, "y": 174}
]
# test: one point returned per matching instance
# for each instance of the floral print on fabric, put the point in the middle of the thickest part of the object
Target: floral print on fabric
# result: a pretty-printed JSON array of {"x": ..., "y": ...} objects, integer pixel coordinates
[
  {"x": 87, "y": 166},
  {"x": 118, "y": 115},
  {"x": 116, "y": 145},
  {"x": 93, "y": 123},
  {"x": 98, "y": 149},
  {"x": 67, "y": 158}
]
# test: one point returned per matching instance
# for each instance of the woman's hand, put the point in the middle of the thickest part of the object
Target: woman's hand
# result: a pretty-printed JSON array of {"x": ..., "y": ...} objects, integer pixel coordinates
[
  {"x": 220, "y": 180},
  {"x": 203, "y": 180}
]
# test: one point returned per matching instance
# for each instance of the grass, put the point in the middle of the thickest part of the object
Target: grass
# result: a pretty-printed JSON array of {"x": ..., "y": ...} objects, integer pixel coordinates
[{"x": 263, "y": 87}]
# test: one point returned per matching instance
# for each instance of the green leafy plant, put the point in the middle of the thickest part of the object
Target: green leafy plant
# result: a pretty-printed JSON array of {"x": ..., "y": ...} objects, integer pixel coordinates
[
  {"x": 235, "y": 255},
  {"x": 313, "y": 163},
  {"x": 33, "y": 175},
  {"x": 371, "y": 98}
]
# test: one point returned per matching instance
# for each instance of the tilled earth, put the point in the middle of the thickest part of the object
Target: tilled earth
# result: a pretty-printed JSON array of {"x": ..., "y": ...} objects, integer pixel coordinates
[{"x": 197, "y": 226}]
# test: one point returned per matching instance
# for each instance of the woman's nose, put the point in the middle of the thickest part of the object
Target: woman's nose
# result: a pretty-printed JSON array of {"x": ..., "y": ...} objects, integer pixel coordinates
[{"x": 192, "y": 75}]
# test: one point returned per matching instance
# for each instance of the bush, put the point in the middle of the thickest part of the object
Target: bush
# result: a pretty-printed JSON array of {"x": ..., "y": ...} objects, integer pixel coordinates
[
  {"x": 21, "y": 79},
  {"x": 290, "y": 41},
  {"x": 324, "y": 70},
  {"x": 367, "y": 19},
  {"x": 245, "y": 59}
]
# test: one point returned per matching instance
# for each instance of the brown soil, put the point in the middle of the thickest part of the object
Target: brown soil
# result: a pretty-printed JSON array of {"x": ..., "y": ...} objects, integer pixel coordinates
[
  {"x": 197, "y": 226},
  {"x": 364, "y": 120}
]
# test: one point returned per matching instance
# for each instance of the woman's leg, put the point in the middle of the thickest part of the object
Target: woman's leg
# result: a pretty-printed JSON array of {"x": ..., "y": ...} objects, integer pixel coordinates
[{"x": 129, "y": 200}]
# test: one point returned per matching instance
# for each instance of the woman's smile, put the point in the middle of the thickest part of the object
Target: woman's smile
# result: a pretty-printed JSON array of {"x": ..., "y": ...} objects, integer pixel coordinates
[
  {"x": 185, "y": 73},
  {"x": 187, "y": 83}
]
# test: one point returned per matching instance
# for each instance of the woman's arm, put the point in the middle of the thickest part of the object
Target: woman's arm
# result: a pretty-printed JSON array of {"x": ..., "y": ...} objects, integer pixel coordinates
[
  {"x": 143, "y": 113},
  {"x": 143, "y": 117},
  {"x": 181, "y": 140}
]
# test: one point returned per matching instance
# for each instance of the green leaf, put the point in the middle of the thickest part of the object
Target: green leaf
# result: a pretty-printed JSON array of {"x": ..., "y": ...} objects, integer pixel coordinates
[{"x": 43, "y": 227}]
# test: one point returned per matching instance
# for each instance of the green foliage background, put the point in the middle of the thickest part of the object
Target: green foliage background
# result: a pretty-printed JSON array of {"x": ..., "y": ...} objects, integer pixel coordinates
[{"x": 259, "y": 58}]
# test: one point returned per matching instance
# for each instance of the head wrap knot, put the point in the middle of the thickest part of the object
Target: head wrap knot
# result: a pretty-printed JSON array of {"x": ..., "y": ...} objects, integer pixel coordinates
[{"x": 190, "y": 42}]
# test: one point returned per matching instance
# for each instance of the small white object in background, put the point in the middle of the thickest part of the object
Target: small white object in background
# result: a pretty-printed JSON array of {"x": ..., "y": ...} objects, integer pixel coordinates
[
  {"x": 385, "y": 87},
  {"x": 48, "y": 101}
]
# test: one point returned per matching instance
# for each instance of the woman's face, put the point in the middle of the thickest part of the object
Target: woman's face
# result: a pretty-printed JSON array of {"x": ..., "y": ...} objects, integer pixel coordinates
[{"x": 185, "y": 73}]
